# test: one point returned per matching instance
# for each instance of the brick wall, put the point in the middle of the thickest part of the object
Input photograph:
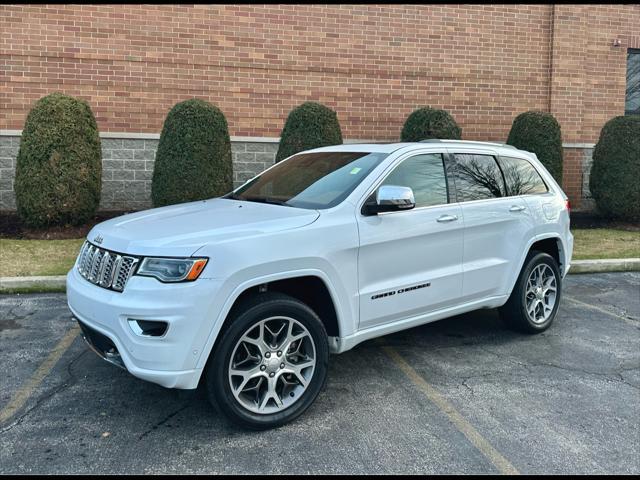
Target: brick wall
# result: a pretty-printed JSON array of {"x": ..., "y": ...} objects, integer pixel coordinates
[
  {"x": 588, "y": 73},
  {"x": 372, "y": 63}
]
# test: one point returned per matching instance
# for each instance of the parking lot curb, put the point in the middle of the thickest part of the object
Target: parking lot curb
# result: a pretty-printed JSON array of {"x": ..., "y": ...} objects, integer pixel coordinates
[
  {"x": 33, "y": 284},
  {"x": 58, "y": 282},
  {"x": 605, "y": 265}
]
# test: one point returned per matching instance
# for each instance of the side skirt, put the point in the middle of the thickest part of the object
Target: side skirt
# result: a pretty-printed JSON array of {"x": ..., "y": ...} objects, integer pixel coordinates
[{"x": 339, "y": 345}]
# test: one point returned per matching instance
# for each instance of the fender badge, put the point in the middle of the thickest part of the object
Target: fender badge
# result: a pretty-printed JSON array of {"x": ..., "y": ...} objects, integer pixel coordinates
[{"x": 98, "y": 239}]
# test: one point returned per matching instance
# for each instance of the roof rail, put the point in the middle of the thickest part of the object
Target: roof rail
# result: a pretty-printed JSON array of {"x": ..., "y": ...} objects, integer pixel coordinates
[{"x": 438, "y": 140}]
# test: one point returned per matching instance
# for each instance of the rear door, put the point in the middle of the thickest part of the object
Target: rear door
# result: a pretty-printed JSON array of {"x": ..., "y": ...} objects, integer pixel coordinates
[
  {"x": 523, "y": 180},
  {"x": 497, "y": 227},
  {"x": 410, "y": 262}
]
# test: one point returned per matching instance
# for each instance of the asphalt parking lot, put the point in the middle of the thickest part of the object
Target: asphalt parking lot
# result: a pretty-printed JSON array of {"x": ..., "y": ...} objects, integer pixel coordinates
[{"x": 462, "y": 395}]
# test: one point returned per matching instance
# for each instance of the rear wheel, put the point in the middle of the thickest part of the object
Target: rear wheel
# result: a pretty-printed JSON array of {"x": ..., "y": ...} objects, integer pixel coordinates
[
  {"x": 535, "y": 298},
  {"x": 270, "y": 364}
]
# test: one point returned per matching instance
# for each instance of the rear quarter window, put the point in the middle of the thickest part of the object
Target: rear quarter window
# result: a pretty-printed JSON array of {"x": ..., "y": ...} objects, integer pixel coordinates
[{"x": 521, "y": 177}]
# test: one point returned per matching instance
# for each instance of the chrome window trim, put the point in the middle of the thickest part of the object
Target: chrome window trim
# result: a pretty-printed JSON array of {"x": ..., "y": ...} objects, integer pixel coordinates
[
  {"x": 486, "y": 200},
  {"x": 545, "y": 194},
  {"x": 419, "y": 208}
]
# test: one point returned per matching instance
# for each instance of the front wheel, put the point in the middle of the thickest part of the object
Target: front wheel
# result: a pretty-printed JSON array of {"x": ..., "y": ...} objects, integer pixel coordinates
[
  {"x": 535, "y": 298},
  {"x": 271, "y": 362}
]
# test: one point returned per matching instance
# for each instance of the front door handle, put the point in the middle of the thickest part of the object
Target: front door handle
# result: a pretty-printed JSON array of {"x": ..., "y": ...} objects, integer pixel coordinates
[
  {"x": 447, "y": 218},
  {"x": 517, "y": 208}
]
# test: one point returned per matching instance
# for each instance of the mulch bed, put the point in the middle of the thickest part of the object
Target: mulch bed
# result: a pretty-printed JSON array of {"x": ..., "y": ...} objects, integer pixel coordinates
[
  {"x": 11, "y": 227},
  {"x": 591, "y": 220}
]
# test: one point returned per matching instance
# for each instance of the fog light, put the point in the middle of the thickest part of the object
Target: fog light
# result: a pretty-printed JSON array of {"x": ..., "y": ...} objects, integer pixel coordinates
[{"x": 147, "y": 328}]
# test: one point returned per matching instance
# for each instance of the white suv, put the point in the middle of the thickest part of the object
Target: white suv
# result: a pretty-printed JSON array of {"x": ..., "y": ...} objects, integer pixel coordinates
[{"x": 324, "y": 250}]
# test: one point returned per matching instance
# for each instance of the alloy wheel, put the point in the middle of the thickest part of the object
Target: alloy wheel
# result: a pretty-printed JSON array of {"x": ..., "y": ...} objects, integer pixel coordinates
[
  {"x": 272, "y": 365},
  {"x": 541, "y": 293}
]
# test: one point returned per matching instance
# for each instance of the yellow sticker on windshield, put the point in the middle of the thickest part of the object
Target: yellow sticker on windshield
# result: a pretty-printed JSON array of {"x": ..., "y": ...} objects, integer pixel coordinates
[{"x": 355, "y": 170}]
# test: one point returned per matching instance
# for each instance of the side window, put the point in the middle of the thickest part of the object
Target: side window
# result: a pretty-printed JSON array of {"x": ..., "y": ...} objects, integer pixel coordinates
[
  {"x": 477, "y": 177},
  {"x": 521, "y": 177},
  {"x": 424, "y": 174}
]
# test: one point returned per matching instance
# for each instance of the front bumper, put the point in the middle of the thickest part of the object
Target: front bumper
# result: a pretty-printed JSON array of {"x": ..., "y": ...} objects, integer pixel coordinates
[{"x": 169, "y": 360}]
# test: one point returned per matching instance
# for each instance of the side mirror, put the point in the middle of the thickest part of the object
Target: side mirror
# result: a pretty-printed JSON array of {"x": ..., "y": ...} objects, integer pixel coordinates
[{"x": 391, "y": 198}]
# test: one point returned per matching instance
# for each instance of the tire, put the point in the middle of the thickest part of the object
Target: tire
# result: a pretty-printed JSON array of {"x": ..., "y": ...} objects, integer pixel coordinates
[
  {"x": 516, "y": 313},
  {"x": 272, "y": 371}
]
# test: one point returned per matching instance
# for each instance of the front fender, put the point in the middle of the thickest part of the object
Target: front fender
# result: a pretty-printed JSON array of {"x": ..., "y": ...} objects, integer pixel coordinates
[{"x": 244, "y": 280}]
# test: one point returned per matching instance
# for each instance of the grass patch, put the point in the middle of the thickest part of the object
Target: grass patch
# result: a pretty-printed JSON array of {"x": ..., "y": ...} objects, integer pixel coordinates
[
  {"x": 21, "y": 258},
  {"x": 596, "y": 243}
]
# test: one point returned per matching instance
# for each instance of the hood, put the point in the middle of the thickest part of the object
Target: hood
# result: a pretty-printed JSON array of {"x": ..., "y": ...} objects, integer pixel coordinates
[{"x": 180, "y": 230}]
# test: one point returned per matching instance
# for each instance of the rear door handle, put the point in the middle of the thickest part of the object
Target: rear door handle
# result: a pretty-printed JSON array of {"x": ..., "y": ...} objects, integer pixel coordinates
[
  {"x": 447, "y": 218},
  {"x": 517, "y": 208}
]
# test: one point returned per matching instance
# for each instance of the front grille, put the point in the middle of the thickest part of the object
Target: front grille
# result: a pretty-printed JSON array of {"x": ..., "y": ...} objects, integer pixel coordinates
[{"x": 105, "y": 268}]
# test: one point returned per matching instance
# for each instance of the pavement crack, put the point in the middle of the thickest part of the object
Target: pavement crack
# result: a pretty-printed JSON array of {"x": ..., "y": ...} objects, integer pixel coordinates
[
  {"x": 615, "y": 375},
  {"x": 11, "y": 315},
  {"x": 621, "y": 372},
  {"x": 163, "y": 421},
  {"x": 467, "y": 386}
]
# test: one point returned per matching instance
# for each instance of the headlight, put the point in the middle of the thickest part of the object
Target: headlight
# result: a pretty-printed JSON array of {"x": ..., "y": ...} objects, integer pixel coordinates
[{"x": 172, "y": 269}]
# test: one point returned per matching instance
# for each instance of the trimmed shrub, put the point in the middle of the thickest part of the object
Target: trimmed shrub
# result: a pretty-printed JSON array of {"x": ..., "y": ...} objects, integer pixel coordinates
[
  {"x": 59, "y": 167},
  {"x": 614, "y": 173},
  {"x": 539, "y": 133},
  {"x": 193, "y": 161},
  {"x": 426, "y": 122},
  {"x": 310, "y": 125}
]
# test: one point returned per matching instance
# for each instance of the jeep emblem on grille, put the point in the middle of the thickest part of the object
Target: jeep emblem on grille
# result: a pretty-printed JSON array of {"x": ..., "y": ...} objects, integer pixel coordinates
[{"x": 98, "y": 239}]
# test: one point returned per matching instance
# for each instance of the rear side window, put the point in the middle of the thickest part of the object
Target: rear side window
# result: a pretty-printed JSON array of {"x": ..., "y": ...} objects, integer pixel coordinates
[
  {"x": 477, "y": 177},
  {"x": 521, "y": 177},
  {"x": 424, "y": 174}
]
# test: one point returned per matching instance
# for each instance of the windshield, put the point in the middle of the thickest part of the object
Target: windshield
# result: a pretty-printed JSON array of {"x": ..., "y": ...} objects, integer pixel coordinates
[{"x": 310, "y": 180}]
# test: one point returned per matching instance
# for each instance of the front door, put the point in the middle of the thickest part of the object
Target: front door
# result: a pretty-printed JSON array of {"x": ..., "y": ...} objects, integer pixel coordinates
[{"x": 410, "y": 262}]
